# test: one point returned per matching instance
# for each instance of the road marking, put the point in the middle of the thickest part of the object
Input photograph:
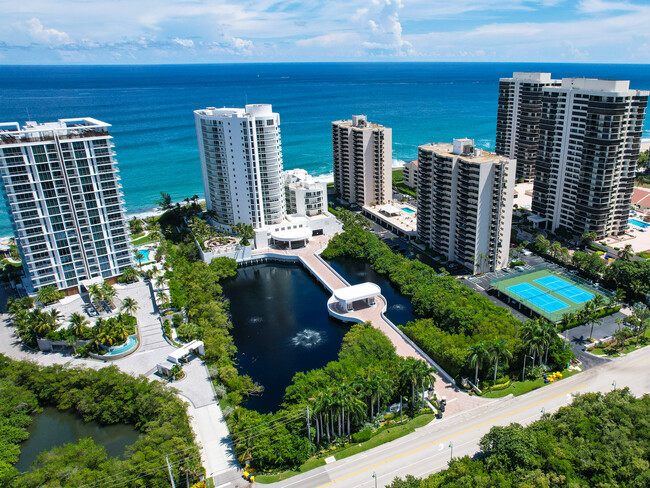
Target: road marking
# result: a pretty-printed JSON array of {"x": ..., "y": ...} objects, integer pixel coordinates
[{"x": 450, "y": 436}]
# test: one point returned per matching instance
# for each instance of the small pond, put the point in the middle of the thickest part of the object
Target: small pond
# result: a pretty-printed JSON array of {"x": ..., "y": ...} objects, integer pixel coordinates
[
  {"x": 53, "y": 428},
  {"x": 280, "y": 326}
]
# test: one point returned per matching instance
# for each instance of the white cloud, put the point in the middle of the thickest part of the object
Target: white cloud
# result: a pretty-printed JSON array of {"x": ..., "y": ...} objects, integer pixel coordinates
[
  {"x": 385, "y": 29},
  {"x": 231, "y": 45},
  {"x": 329, "y": 40},
  {"x": 599, "y": 6},
  {"x": 52, "y": 37},
  {"x": 184, "y": 42}
]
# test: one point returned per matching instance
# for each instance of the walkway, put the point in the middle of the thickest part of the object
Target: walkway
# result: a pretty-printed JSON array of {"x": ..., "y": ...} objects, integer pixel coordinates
[{"x": 457, "y": 401}]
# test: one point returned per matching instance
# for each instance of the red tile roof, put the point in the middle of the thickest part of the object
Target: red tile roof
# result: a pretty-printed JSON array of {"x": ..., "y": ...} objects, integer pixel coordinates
[{"x": 641, "y": 197}]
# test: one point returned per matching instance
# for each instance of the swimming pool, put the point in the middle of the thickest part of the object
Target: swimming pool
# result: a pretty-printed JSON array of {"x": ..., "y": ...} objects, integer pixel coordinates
[
  {"x": 408, "y": 210},
  {"x": 130, "y": 343},
  {"x": 145, "y": 255},
  {"x": 639, "y": 223}
]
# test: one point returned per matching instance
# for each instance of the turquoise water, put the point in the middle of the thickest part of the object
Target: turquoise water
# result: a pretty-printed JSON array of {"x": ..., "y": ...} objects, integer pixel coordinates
[
  {"x": 151, "y": 108},
  {"x": 639, "y": 223},
  {"x": 408, "y": 210},
  {"x": 145, "y": 254},
  {"x": 130, "y": 343}
]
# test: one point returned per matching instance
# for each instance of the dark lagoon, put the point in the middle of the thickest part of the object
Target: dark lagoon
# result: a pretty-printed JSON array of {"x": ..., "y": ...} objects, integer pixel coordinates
[
  {"x": 280, "y": 326},
  {"x": 355, "y": 271},
  {"x": 54, "y": 427}
]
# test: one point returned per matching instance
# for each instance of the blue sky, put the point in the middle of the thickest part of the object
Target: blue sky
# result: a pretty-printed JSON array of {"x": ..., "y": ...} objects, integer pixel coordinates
[{"x": 214, "y": 31}]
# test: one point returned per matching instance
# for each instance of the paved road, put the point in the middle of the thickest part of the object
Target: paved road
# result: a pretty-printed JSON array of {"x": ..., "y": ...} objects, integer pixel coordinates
[{"x": 427, "y": 450}]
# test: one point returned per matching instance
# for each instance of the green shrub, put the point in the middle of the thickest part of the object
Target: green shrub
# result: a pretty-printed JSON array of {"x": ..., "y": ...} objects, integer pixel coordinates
[{"x": 362, "y": 436}]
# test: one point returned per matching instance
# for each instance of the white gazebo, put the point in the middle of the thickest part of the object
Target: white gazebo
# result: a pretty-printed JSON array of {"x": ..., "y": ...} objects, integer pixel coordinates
[
  {"x": 289, "y": 236},
  {"x": 362, "y": 292}
]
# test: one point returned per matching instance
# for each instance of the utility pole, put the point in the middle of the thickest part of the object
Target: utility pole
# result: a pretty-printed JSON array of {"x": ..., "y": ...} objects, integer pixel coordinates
[
  {"x": 169, "y": 468},
  {"x": 451, "y": 446},
  {"x": 401, "y": 410},
  {"x": 308, "y": 429}
]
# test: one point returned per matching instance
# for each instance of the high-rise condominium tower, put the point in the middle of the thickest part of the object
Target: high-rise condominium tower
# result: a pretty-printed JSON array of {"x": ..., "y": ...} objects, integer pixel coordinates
[
  {"x": 465, "y": 203},
  {"x": 64, "y": 194},
  {"x": 590, "y": 135},
  {"x": 363, "y": 159},
  {"x": 518, "y": 114},
  {"x": 241, "y": 162}
]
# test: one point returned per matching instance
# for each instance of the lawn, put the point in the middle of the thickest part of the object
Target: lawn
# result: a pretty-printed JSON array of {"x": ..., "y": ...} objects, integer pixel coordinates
[
  {"x": 142, "y": 240},
  {"x": 390, "y": 433},
  {"x": 630, "y": 345},
  {"x": 520, "y": 387},
  {"x": 398, "y": 183}
]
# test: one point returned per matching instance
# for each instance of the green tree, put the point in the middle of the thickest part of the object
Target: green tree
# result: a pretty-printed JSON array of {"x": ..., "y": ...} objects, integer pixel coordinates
[
  {"x": 129, "y": 306},
  {"x": 626, "y": 253},
  {"x": 589, "y": 237},
  {"x": 477, "y": 354},
  {"x": 165, "y": 201},
  {"x": 499, "y": 350},
  {"x": 245, "y": 231}
]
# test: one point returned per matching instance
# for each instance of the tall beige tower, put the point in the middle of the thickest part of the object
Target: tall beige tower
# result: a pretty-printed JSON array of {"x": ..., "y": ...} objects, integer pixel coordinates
[
  {"x": 465, "y": 203},
  {"x": 363, "y": 158}
]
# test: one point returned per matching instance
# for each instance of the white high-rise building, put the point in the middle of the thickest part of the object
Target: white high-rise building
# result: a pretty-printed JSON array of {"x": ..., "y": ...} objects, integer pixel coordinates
[
  {"x": 363, "y": 160},
  {"x": 241, "y": 163},
  {"x": 305, "y": 195},
  {"x": 63, "y": 191},
  {"x": 590, "y": 135},
  {"x": 465, "y": 203},
  {"x": 518, "y": 114}
]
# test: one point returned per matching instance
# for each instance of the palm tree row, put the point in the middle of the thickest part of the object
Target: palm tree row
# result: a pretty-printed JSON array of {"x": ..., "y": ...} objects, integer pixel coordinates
[
  {"x": 338, "y": 409},
  {"x": 491, "y": 352},
  {"x": 104, "y": 292}
]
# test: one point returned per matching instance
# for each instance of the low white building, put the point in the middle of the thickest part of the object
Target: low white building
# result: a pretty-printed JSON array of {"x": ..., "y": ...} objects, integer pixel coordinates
[{"x": 304, "y": 194}]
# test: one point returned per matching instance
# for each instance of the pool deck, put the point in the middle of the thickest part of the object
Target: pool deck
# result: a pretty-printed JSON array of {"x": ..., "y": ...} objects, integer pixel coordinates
[{"x": 457, "y": 401}]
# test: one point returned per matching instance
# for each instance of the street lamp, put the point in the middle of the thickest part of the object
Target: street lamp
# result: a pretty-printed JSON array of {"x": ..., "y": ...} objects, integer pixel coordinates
[
  {"x": 451, "y": 447},
  {"x": 543, "y": 411},
  {"x": 374, "y": 475},
  {"x": 614, "y": 384},
  {"x": 523, "y": 372}
]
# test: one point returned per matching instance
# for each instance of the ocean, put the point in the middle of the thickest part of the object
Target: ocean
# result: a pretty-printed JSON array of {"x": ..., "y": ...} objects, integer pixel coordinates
[{"x": 150, "y": 108}]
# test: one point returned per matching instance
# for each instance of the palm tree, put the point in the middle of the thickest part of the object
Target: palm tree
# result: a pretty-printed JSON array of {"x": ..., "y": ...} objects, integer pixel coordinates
[
  {"x": 593, "y": 320},
  {"x": 620, "y": 336},
  {"x": 425, "y": 376},
  {"x": 40, "y": 322},
  {"x": 54, "y": 318},
  {"x": 499, "y": 350},
  {"x": 626, "y": 253},
  {"x": 78, "y": 324},
  {"x": 95, "y": 293},
  {"x": 160, "y": 282},
  {"x": 531, "y": 335},
  {"x": 71, "y": 341},
  {"x": 477, "y": 354},
  {"x": 129, "y": 306},
  {"x": 138, "y": 257},
  {"x": 161, "y": 296},
  {"x": 548, "y": 334},
  {"x": 599, "y": 302},
  {"x": 129, "y": 274},
  {"x": 555, "y": 249},
  {"x": 409, "y": 374},
  {"x": 108, "y": 292}
]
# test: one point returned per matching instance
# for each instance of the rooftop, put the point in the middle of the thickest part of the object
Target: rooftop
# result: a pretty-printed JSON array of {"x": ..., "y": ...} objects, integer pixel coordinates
[
  {"x": 357, "y": 292},
  {"x": 446, "y": 149},
  {"x": 11, "y": 133}
]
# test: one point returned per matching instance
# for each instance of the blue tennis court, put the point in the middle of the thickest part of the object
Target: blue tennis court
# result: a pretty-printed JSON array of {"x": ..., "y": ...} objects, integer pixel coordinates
[
  {"x": 566, "y": 289},
  {"x": 538, "y": 297}
]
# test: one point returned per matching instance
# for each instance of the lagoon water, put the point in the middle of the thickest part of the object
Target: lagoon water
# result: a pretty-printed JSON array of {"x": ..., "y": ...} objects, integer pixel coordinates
[
  {"x": 150, "y": 108},
  {"x": 280, "y": 326},
  {"x": 54, "y": 427}
]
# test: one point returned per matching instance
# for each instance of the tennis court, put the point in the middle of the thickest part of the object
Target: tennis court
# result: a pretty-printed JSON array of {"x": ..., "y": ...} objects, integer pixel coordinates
[
  {"x": 566, "y": 289},
  {"x": 538, "y": 297},
  {"x": 548, "y": 292}
]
